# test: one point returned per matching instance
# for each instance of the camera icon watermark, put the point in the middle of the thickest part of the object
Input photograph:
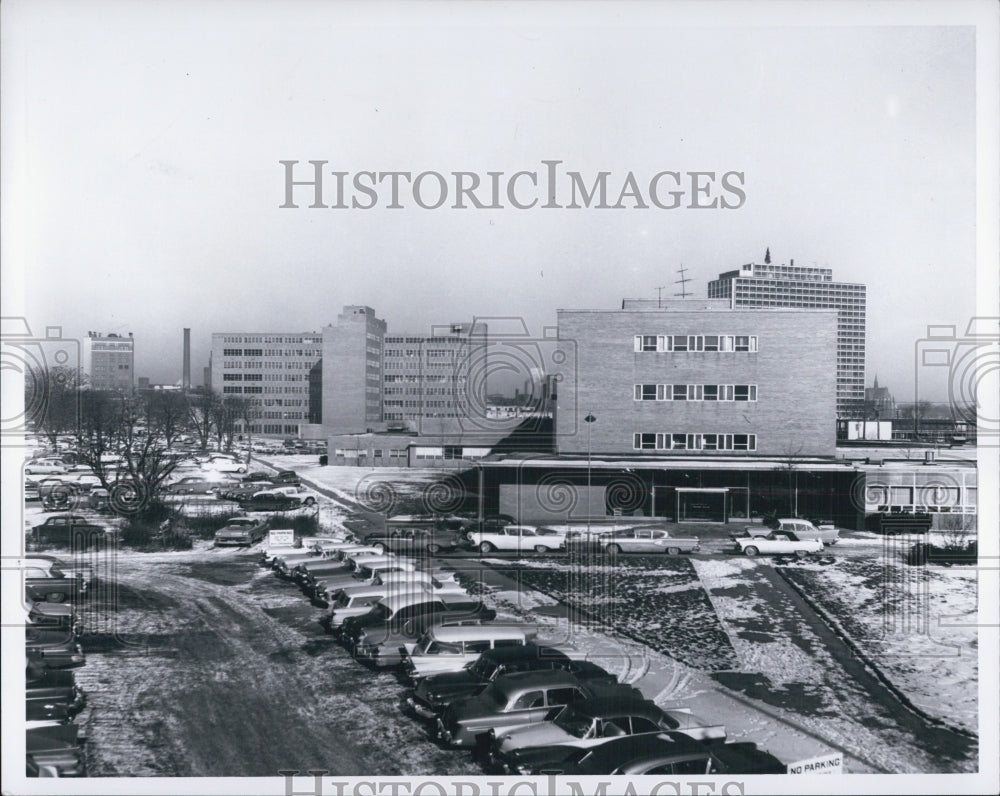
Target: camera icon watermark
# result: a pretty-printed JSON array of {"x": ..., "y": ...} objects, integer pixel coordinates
[
  {"x": 970, "y": 366},
  {"x": 485, "y": 380},
  {"x": 48, "y": 368}
]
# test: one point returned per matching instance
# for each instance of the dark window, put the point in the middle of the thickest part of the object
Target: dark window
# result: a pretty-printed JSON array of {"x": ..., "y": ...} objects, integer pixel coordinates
[{"x": 532, "y": 699}]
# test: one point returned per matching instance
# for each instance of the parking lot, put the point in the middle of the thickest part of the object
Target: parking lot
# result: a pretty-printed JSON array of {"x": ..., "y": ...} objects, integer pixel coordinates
[{"x": 202, "y": 663}]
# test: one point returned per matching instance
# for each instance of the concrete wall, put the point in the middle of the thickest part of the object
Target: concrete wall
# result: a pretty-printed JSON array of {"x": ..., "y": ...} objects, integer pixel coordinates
[{"x": 795, "y": 370}]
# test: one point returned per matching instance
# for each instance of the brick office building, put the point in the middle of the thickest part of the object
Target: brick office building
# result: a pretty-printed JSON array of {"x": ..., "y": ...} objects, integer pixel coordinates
[{"x": 697, "y": 378}]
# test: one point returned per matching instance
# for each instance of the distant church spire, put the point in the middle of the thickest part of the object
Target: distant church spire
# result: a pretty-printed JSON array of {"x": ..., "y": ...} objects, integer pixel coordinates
[
  {"x": 767, "y": 256},
  {"x": 876, "y": 381}
]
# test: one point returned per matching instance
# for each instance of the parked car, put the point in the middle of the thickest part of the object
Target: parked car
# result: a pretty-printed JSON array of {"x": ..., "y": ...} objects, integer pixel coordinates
[
  {"x": 256, "y": 475},
  {"x": 271, "y": 502},
  {"x": 44, "y": 581},
  {"x": 516, "y": 538},
  {"x": 369, "y": 572},
  {"x": 69, "y": 530},
  {"x": 450, "y": 648},
  {"x": 359, "y": 600},
  {"x": 378, "y": 635},
  {"x": 415, "y": 540},
  {"x": 516, "y": 700},
  {"x": 286, "y": 477},
  {"x": 785, "y": 543},
  {"x": 56, "y": 649},
  {"x": 31, "y": 490},
  {"x": 670, "y": 753},
  {"x": 433, "y": 694},
  {"x": 191, "y": 485},
  {"x": 54, "y": 752},
  {"x": 45, "y": 467},
  {"x": 225, "y": 465},
  {"x": 242, "y": 531},
  {"x": 801, "y": 529},
  {"x": 57, "y": 616},
  {"x": 237, "y": 491},
  {"x": 594, "y": 722},
  {"x": 53, "y": 687},
  {"x": 73, "y": 569},
  {"x": 645, "y": 540}
]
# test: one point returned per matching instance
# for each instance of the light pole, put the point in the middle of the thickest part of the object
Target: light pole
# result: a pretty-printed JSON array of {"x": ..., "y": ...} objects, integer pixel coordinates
[{"x": 589, "y": 420}]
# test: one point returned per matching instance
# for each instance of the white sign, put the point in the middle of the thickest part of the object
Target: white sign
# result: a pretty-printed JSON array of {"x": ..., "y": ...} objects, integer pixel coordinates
[
  {"x": 828, "y": 764},
  {"x": 284, "y": 537}
]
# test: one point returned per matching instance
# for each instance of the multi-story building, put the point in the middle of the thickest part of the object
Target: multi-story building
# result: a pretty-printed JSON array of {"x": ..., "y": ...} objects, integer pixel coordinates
[
  {"x": 351, "y": 378},
  {"x": 696, "y": 377},
  {"x": 109, "y": 361},
  {"x": 769, "y": 286},
  {"x": 440, "y": 376},
  {"x": 272, "y": 371}
]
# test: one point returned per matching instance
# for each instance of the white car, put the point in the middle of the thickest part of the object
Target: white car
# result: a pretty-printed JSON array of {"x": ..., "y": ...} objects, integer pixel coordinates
[
  {"x": 42, "y": 467},
  {"x": 281, "y": 490},
  {"x": 225, "y": 465},
  {"x": 778, "y": 543},
  {"x": 517, "y": 538}
]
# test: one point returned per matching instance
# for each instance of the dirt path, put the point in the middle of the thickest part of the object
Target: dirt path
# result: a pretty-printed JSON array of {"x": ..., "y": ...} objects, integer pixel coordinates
[{"x": 217, "y": 669}]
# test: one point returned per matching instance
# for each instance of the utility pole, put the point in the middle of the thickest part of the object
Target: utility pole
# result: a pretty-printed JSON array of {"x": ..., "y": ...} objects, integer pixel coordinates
[{"x": 659, "y": 296}]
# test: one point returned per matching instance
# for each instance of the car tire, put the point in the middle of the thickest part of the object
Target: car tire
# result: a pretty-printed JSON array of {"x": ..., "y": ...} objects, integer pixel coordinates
[
  {"x": 540, "y": 548},
  {"x": 55, "y": 597},
  {"x": 28, "y": 471},
  {"x": 673, "y": 551},
  {"x": 801, "y": 553},
  {"x": 433, "y": 548},
  {"x": 310, "y": 501},
  {"x": 380, "y": 547},
  {"x": 613, "y": 549},
  {"x": 486, "y": 547},
  {"x": 750, "y": 550}
]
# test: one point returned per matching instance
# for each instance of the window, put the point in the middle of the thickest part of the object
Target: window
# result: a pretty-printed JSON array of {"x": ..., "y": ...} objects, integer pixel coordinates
[
  {"x": 680, "y": 342},
  {"x": 678, "y": 441},
  {"x": 645, "y": 442},
  {"x": 711, "y": 342},
  {"x": 646, "y": 342},
  {"x": 563, "y": 696},
  {"x": 711, "y": 392},
  {"x": 680, "y": 392},
  {"x": 645, "y": 392},
  {"x": 694, "y": 392},
  {"x": 532, "y": 699}
]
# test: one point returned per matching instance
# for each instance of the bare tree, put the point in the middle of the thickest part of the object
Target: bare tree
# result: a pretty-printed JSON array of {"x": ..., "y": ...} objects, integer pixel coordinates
[
  {"x": 52, "y": 399},
  {"x": 168, "y": 412},
  {"x": 202, "y": 405},
  {"x": 789, "y": 457}
]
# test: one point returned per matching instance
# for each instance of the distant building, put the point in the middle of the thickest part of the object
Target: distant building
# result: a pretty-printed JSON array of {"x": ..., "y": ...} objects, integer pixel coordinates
[
  {"x": 697, "y": 378},
  {"x": 351, "y": 376},
  {"x": 879, "y": 403},
  {"x": 272, "y": 371},
  {"x": 109, "y": 361},
  {"x": 767, "y": 286}
]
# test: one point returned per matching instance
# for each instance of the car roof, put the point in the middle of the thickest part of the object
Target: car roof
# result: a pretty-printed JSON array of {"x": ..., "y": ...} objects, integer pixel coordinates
[
  {"x": 628, "y": 748},
  {"x": 397, "y": 601},
  {"x": 546, "y": 678},
  {"x": 614, "y": 707},
  {"x": 474, "y": 632},
  {"x": 504, "y": 654}
]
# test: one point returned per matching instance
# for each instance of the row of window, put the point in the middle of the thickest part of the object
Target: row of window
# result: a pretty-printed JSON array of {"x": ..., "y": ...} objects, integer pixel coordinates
[
  {"x": 677, "y": 343},
  {"x": 695, "y": 392},
  {"x": 694, "y": 442}
]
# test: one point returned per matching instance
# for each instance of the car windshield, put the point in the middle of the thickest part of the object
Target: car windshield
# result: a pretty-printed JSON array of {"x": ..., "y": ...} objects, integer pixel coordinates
[
  {"x": 342, "y": 601},
  {"x": 495, "y": 696},
  {"x": 576, "y": 725},
  {"x": 482, "y": 668}
]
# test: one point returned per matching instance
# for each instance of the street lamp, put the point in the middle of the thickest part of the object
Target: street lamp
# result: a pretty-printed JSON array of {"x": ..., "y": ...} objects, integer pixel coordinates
[{"x": 589, "y": 420}]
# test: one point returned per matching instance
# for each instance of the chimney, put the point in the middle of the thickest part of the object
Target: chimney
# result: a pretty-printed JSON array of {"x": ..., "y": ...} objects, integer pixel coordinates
[{"x": 186, "y": 378}]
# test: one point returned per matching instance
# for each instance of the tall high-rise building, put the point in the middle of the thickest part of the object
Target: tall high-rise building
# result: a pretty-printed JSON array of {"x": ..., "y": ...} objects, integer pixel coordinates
[
  {"x": 186, "y": 365},
  {"x": 769, "y": 286},
  {"x": 109, "y": 361},
  {"x": 272, "y": 370}
]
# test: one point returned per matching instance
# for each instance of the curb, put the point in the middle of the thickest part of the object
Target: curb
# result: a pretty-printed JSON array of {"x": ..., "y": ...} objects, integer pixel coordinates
[{"x": 836, "y": 628}]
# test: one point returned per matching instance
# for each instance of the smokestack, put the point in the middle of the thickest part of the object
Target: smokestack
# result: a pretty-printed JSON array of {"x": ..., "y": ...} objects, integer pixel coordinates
[{"x": 186, "y": 378}]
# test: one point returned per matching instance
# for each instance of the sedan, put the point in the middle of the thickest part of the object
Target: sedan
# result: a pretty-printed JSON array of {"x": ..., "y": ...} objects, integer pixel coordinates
[
  {"x": 646, "y": 540},
  {"x": 241, "y": 531},
  {"x": 45, "y": 468},
  {"x": 785, "y": 543},
  {"x": 517, "y": 538},
  {"x": 267, "y": 502},
  {"x": 191, "y": 486}
]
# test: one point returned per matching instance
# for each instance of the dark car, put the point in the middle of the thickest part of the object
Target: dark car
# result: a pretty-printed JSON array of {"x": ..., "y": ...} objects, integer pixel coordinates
[
  {"x": 242, "y": 531},
  {"x": 275, "y": 502},
  {"x": 433, "y": 694},
  {"x": 239, "y": 491},
  {"x": 54, "y": 752},
  {"x": 56, "y": 649},
  {"x": 592, "y": 723},
  {"x": 409, "y": 615},
  {"x": 668, "y": 753},
  {"x": 285, "y": 478},
  {"x": 414, "y": 540},
  {"x": 518, "y": 700},
  {"x": 192, "y": 485},
  {"x": 53, "y": 687},
  {"x": 256, "y": 476},
  {"x": 70, "y": 530}
]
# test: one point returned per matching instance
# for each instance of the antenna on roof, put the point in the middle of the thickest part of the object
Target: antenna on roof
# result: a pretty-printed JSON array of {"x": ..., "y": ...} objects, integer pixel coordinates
[
  {"x": 682, "y": 282},
  {"x": 659, "y": 295}
]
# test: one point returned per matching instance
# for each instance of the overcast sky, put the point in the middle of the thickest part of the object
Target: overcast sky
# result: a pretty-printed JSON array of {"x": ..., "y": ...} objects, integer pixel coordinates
[{"x": 148, "y": 138}]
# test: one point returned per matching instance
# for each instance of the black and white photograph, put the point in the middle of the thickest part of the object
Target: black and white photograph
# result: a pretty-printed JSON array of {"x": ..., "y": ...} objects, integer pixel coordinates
[{"x": 491, "y": 398}]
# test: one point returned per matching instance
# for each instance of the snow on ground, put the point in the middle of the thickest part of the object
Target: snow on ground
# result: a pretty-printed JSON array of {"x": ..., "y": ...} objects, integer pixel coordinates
[{"x": 918, "y": 624}]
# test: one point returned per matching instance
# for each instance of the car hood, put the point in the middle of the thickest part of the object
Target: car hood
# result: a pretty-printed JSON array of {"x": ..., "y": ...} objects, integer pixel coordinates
[
  {"x": 746, "y": 758},
  {"x": 534, "y": 757},
  {"x": 543, "y": 734}
]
